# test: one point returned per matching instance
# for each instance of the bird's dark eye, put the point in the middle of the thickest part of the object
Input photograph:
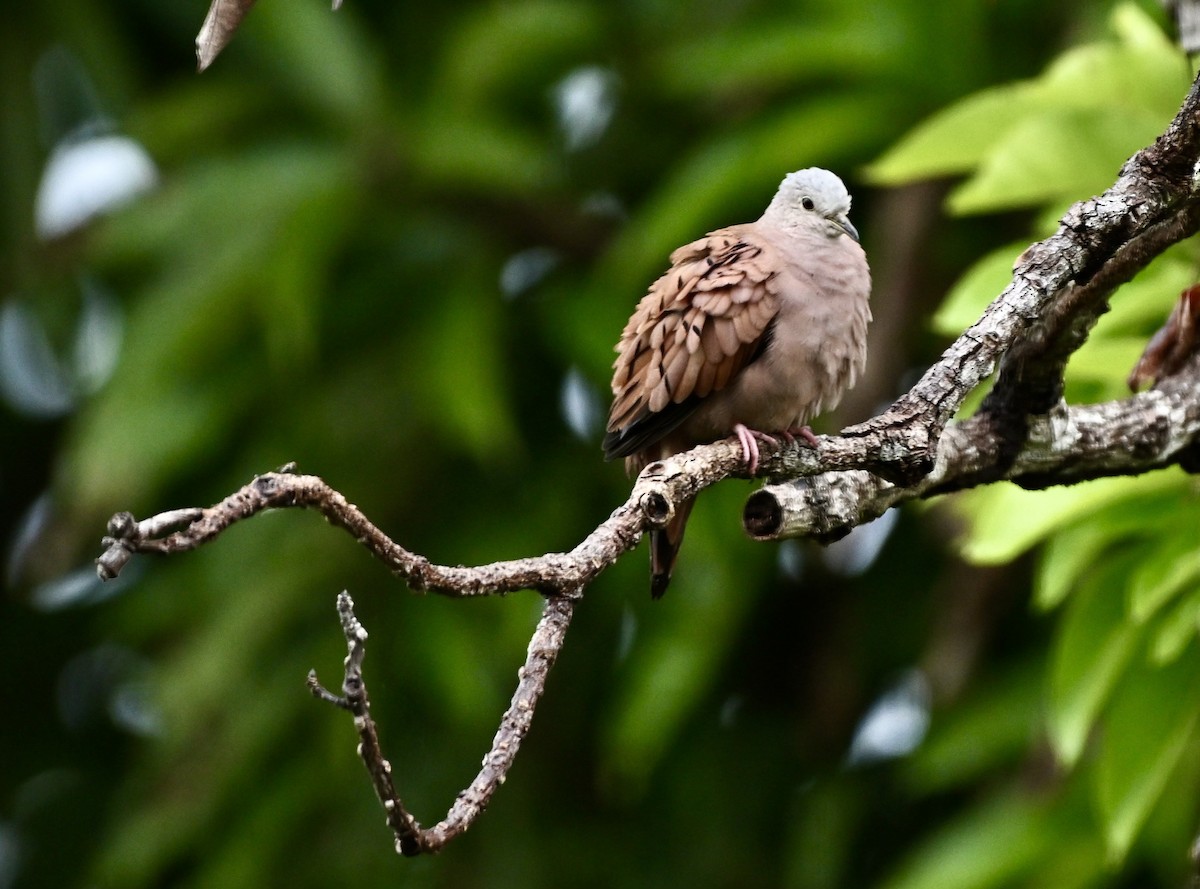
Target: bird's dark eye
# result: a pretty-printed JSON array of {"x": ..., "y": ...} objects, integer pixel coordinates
[{"x": 807, "y": 204}]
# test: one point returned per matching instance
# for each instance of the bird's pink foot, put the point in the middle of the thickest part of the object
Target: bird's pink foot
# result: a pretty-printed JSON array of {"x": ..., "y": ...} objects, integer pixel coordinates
[
  {"x": 801, "y": 432},
  {"x": 749, "y": 439}
]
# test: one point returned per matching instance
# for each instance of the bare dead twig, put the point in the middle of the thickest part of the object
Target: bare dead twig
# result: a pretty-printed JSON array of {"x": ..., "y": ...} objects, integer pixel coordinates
[
  {"x": 411, "y": 838},
  {"x": 356, "y": 700},
  {"x": 222, "y": 21}
]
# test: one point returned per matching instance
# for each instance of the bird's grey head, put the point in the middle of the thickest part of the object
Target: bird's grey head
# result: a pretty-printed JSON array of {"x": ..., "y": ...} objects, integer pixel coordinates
[{"x": 813, "y": 198}]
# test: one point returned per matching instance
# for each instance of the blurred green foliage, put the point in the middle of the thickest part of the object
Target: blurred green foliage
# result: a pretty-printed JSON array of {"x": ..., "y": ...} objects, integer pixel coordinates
[{"x": 385, "y": 246}]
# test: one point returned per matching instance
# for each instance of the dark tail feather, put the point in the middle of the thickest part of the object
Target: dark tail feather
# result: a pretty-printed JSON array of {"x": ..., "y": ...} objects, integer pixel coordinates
[{"x": 664, "y": 549}]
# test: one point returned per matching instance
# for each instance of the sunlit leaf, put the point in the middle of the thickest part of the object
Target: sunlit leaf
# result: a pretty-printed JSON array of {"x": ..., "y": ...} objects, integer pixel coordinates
[
  {"x": 1143, "y": 304},
  {"x": 1104, "y": 362},
  {"x": 1061, "y": 135},
  {"x": 1069, "y": 555},
  {"x": 1008, "y": 520},
  {"x": 1137, "y": 307},
  {"x": 1059, "y": 153},
  {"x": 1141, "y": 68},
  {"x": 956, "y": 140},
  {"x": 1171, "y": 566},
  {"x": 1177, "y": 629}
]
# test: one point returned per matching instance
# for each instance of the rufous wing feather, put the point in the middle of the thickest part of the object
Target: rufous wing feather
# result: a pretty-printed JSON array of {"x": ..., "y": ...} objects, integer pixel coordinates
[{"x": 696, "y": 328}]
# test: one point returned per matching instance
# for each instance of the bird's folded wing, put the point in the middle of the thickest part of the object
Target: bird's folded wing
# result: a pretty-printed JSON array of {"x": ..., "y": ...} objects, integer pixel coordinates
[{"x": 698, "y": 326}]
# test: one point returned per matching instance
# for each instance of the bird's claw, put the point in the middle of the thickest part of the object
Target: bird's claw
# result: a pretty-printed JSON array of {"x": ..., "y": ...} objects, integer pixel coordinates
[
  {"x": 749, "y": 439},
  {"x": 804, "y": 433}
]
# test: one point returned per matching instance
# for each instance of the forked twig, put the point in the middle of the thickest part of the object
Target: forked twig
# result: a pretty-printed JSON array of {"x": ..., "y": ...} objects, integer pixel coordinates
[{"x": 411, "y": 838}]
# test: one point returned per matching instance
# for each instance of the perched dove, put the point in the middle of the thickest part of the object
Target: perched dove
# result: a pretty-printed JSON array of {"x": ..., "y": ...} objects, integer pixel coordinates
[{"x": 754, "y": 329}]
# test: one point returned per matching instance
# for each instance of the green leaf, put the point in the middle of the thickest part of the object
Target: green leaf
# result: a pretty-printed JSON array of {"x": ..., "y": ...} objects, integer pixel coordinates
[
  {"x": 1076, "y": 860},
  {"x": 773, "y": 54},
  {"x": 1008, "y": 520},
  {"x": 514, "y": 47},
  {"x": 1104, "y": 362},
  {"x": 1072, "y": 551},
  {"x": 1062, "y": 135},
  {"x": 1170, "y": 567},
  {"x": 470, "y": 386},
  {"x": 1141, "y": 69},
  {"x": 1067, "y": 555},
  {"x": 1149, "y": 725},
  {"x": 482, "y": 152},
  {"x": 1093, "y": 646},
  {"x": 955, "y": 140},
  {"x": 990, "y": 846},
  {"x": 197, "y": 349},
  {"x": 327, "y": 62},
  {"x": 1135, "y": 27},
  {"x": 1176, "y": 629},
  {"x": 1055, "y": 154},
  {"x": 1137, "y": 308}
]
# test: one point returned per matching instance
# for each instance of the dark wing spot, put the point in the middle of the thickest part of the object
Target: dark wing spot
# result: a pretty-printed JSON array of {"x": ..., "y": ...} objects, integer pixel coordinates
[
  {"x": 764, "y": 343},
  {"x": 647, "y": 429}
]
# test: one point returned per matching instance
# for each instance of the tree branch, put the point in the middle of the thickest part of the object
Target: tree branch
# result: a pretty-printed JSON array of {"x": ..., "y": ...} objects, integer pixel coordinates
[
  {"x": 1023, "y": 432},
  {"x": 1060, "y": 287},
  {"x": 1067, "y": 445}
]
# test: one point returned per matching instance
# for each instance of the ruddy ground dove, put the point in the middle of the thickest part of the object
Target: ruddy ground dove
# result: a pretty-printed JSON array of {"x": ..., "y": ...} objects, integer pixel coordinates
[{"x": 753, "y": 330}]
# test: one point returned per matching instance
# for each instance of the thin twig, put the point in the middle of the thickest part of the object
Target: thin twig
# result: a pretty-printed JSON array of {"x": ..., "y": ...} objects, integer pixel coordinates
[
  {"x": 544, "y": 646},
  {"x": 649, "y": 505},
  {"x": 356, "y": 700},
  {"x": 411, "y": 838}
]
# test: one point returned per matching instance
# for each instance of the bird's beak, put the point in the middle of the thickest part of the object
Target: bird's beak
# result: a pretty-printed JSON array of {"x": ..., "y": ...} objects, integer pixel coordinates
[{"x": 847, "y": 226}]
